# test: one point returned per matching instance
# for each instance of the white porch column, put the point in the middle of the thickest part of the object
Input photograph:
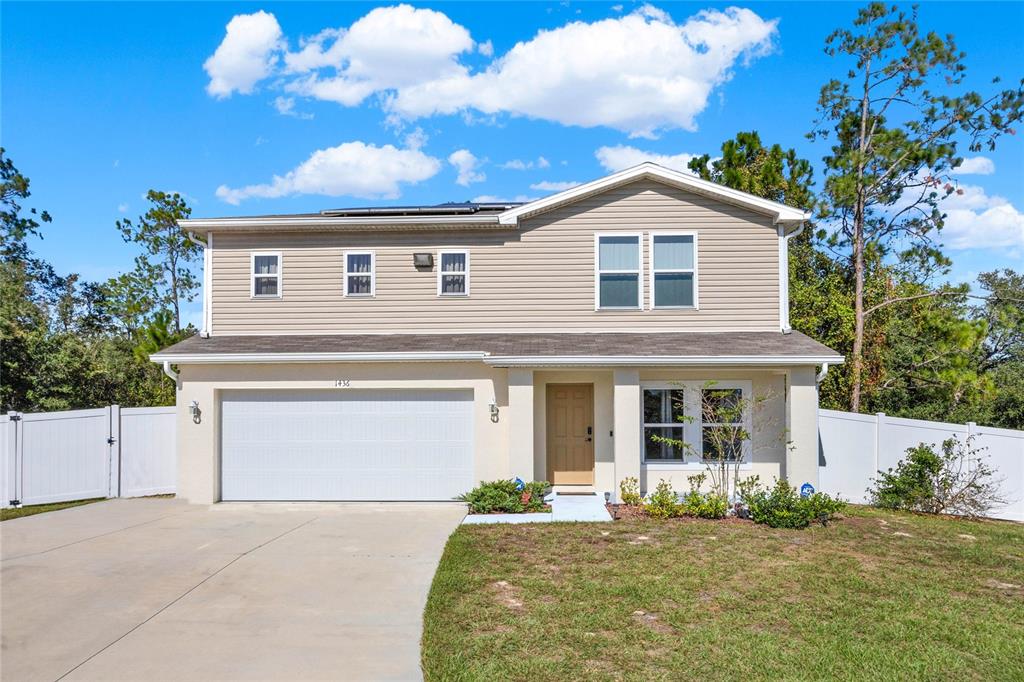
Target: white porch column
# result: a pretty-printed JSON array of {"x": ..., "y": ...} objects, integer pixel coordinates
[
  {"x": 520, "y": 425},
  {"x": 802, "y": 420},
  {"x": 628, "y": 423}
]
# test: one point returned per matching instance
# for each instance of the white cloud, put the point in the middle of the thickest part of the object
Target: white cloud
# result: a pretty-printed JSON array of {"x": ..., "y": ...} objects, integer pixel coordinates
[
  {"x": 286, "y": 107},
  {"x": 976, "y": 165},
  {"x": 247, "y": 55},
  {"x": 519, "y": 164},
  {"x": 975, "y": 219},
  {"x": 493, "y": 199},
  {"x": 122, "y": 208},
  {"x": 416, "y": 139},
  {"x": 550, "y": 186},
  {"x": 621, "y": 156},
  {"x": 467, "y": 165},
  {"x": 640, "y": 73},
  {"x": 486, "y": 48},
  {"x": 351, "y": 169},
  {"x": 390, "y": 47}
]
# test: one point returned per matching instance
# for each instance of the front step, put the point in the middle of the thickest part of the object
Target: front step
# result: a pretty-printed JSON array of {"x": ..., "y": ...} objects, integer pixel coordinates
[{"x": 577, "y": 507}]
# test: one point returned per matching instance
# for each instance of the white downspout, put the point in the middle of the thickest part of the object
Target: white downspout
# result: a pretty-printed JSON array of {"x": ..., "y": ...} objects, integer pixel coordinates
[
  {"x": 171, "y": 374},
  {"x": 820, "y": 376},
  {"x": 195, "y": 239},
  {"x": 784, "y": 274}
]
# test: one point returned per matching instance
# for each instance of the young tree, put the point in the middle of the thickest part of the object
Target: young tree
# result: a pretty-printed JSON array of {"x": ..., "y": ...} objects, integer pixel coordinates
[
  {"x": 166, "y": 249},
  {"x": 884, "y": 183}
]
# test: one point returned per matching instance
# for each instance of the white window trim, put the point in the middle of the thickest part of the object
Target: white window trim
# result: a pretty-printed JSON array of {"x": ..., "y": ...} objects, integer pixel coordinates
[
  {"x": 692, "y": 430},
  {"x": 440, "y": 260},
  {"x": 279, "y": 274},
  {"x": 372, "y": 273},
  {"x": 638, "y": 272},
  {"x": 693, "y": 271}
]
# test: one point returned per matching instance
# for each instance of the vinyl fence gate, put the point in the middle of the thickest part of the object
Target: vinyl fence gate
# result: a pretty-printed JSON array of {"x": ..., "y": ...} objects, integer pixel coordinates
[{"x": 82, "y": 454}]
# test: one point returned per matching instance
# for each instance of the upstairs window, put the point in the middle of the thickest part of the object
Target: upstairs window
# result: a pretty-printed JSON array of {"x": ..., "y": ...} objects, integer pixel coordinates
[
  {"x": 617, "y": 276},
  {"x": 673, "y": 271},
  {"x": 266, "y": 275},
  {"x": 453, "y": 273},
  {"x": 359, "y": 273}
]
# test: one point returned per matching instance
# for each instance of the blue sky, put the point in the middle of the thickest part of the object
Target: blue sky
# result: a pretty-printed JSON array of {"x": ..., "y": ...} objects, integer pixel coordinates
[{"x": 101, "y": 102}]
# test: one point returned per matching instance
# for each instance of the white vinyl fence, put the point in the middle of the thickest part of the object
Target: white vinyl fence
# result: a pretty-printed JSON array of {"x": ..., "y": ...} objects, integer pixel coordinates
[
  {"x": 853, "y": 448},
  {"x": 80, "y": 454}
]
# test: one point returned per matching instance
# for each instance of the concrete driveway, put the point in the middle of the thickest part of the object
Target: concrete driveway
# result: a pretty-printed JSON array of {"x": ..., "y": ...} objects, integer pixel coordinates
[{"x": 155, "y": 589}]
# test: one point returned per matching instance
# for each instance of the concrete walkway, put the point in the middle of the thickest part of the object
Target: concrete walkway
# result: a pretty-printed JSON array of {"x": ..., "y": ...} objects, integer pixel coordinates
[{"x": 158, "y": 589}]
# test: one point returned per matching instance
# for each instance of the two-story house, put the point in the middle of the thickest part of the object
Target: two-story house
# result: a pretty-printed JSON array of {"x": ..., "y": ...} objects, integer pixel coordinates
[{"x": 409, "y": 353}]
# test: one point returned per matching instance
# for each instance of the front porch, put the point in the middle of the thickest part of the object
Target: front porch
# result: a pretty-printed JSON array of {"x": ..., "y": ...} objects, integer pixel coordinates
[{"x": 585, "y": 430}]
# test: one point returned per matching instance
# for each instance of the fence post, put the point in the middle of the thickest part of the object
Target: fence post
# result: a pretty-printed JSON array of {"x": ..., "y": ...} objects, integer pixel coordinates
[
  {"x": 18, "y": 458},
  {"x": 114, "y": 450},
  {"x": 879, "y": 420}
]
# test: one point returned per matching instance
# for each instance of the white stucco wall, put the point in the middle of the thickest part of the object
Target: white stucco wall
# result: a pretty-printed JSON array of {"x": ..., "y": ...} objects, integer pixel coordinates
[{"x": 785, "y": 432}]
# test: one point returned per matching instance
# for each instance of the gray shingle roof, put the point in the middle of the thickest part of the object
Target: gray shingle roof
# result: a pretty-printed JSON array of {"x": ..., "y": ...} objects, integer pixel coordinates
[{"x": 653, "y": 345}]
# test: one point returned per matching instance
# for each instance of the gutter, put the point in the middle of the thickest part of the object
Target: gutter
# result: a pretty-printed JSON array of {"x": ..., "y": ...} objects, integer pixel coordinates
[
  {"x": 341, "y": 222},
  {"x": 657, "y": 360},
  {"x": 276, "y": 358}
]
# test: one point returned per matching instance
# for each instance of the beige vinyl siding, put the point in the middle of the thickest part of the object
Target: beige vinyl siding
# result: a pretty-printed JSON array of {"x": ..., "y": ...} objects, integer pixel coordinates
[{"x": 537, "y": 278}]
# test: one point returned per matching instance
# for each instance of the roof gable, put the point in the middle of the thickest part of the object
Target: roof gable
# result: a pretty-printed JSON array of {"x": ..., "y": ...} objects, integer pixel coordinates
[{"x": 780, "y": 213}]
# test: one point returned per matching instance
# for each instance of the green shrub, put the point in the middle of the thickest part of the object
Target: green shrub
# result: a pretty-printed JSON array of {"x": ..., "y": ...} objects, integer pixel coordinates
[
  {"x": 505, "y": 497},
  {"x": 954, "y": 480},
  {"x": 703, "y": 505},
  {"x": 782, "y": 506},
  {"x": 629, "y": 492},
  {"x": 663, "y": 503}
]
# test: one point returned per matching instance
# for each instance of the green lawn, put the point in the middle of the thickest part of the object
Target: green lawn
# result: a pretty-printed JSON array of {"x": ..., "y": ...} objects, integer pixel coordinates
[
  {"x": 877, "y": 595},
  {"x": 7, "y": 514}
]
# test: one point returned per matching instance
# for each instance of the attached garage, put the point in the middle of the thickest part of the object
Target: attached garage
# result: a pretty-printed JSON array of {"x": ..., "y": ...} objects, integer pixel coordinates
[{"x": 346, "y": 444}]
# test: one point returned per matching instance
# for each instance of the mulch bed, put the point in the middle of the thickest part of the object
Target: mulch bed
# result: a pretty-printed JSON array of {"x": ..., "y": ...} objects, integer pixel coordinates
[{"x": 627, "y": 512}]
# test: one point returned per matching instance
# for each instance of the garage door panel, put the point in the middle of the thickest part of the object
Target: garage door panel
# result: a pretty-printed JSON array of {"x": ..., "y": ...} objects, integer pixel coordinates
[{"x": 353, "y": 445}]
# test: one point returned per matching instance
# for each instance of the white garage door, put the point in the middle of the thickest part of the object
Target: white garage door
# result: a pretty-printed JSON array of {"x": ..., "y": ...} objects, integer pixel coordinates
[{"x": 346, "y": 445}]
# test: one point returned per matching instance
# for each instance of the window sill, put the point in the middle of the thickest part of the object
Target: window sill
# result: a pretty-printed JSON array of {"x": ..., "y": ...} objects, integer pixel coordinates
[
  {"x": 687, "y": 466},
  {"x": 453, "y": 295},
  {"x": 266, "y": 297}
]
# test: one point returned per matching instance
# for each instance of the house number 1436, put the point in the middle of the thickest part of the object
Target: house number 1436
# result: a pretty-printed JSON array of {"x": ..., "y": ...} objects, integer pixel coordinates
[{"x": 342, "y": 383}]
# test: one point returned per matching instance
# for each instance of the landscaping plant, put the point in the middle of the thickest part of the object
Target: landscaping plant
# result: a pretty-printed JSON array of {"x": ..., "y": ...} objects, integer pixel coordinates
[
  {"x": 711, "y": 505},
  {"x": 506, "y": 497},
  {"x": 954, "y": 481},
  {"x": 629, "y": 492},
  {"x": 663, "y": 503},
  {"x": 783, "y": 507}
]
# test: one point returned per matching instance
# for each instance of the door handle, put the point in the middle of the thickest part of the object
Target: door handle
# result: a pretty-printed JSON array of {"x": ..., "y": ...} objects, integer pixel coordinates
[{"x": 590, "y": 433}]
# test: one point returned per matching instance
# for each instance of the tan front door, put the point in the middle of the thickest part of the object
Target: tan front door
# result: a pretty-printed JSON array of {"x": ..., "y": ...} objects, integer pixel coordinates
[{"x": 570, "y": 429}]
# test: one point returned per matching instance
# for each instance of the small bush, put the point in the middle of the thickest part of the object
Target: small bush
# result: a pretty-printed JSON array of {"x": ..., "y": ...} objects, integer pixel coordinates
[
  {"x": 663, "y": 503},
  {"x": 505, "y": 497},
  {"x": 703, "y": 505},
  {"x": 939, "y": 482},
  {"x": 629, "y": 492},
  {"x": 782, "y": 506}
]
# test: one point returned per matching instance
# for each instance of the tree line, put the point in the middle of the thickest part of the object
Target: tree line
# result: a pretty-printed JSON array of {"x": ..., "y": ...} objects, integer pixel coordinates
[{"x": 868, "y": 277}]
